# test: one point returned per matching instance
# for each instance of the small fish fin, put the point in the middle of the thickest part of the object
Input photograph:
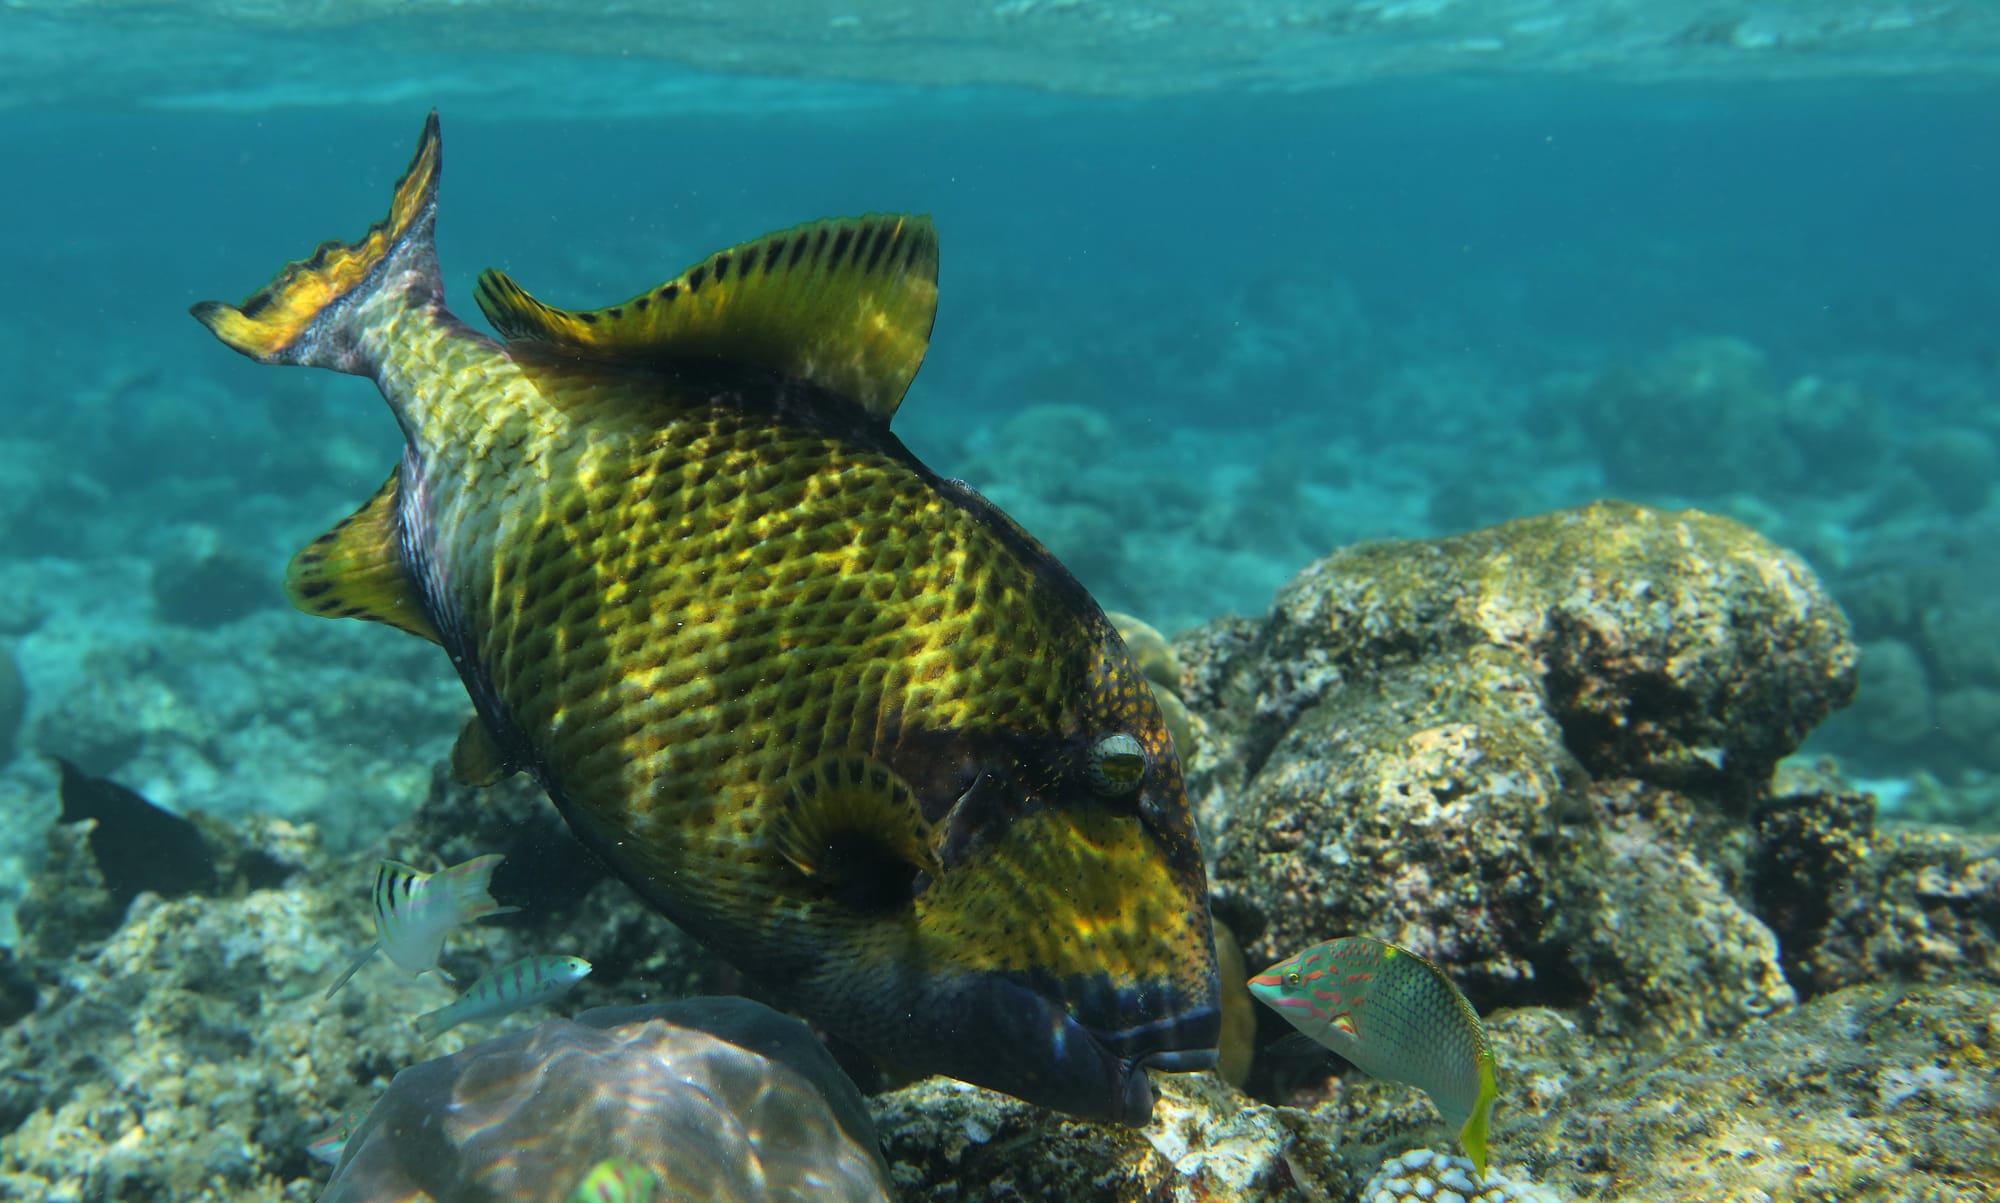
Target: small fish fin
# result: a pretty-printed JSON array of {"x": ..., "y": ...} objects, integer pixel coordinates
[
  {"x": 468, "y": 884},
  {"x": 307, "y": 314},
  {"x": 356, "y": 570},
  {"x": 432, "y": 1024},
  {"x": 476, "y": 760},
  {"x": 353, "y": 969},
  {"x": 845, "y": 303},
  {"x": 1297, "y": 1045},
  {"x": 1473, "y": 1135},
  {"x": 847, "y": 818}
]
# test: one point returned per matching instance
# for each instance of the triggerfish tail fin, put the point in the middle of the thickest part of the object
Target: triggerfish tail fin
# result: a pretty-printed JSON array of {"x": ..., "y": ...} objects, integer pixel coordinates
[
  {"x": 356, "y": 570},
  {"x": 308, "y": 314},
  {"x": 846, "y": 304}
]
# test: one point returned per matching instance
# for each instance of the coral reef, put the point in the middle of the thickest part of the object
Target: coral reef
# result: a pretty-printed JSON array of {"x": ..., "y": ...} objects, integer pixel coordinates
[
  {"x": 1526, "y": 753},
  {"x": 1421, "y": 1175},
  {"x": 1854, "y": 904},
  {"x": 202, "y": 580},
  {"x": 13, "y": 702},
  {"x": 1927, "y": 605},
  {"x": 1708, "y": 416},
  {"x": 1884, "y": 1091},
  {"x": 719, "y": 1099},
  {"x": 950, "y": 1141}
]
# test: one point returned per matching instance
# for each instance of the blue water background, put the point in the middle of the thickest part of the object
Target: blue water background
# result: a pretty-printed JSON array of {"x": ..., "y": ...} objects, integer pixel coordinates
[{"x": 1164, "y": 263}]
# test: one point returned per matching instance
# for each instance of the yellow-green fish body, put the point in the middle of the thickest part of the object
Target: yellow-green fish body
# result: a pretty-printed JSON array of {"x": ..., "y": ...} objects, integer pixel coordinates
[
  {"x": 1396, "y": 1016},
  {"x": 837, "y": 716}
]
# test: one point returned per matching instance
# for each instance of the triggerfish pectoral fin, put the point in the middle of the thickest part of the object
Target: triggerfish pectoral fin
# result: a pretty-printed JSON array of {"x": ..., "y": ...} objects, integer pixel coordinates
[
  {"x": 1396, "y": 1016},
  {"x": 852, "y": 824}
]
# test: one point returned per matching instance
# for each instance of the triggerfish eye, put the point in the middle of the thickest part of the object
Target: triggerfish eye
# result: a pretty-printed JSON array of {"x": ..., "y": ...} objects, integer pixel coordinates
[{"x": 1117, "y": 762}]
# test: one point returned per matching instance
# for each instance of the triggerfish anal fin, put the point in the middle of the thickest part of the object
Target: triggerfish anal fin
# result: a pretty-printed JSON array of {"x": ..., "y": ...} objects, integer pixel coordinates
[
  {"x": 476, "y": 760},
  {"x": 846, "y": 304},
  {"x": 302, "y": 316},
  {"x": 848, "y": 820},
  {"x": 1396, "y": 1016},
  {"x": 356, "y": 570}
]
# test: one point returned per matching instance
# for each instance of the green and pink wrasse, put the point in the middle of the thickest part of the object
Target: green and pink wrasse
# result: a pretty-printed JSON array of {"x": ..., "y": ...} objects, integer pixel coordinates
[
  {"x": 837, "y": 716},
  {"x": 1396, "y": 1016},
  {"x": 415, "y": 911},
  {"x": 330, "y": 1144},
  {"x": 515, "y": 986}
]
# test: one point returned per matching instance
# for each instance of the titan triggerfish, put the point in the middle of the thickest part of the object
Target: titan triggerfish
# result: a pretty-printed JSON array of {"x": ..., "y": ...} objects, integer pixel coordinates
[{"x": 834, "y": 714}]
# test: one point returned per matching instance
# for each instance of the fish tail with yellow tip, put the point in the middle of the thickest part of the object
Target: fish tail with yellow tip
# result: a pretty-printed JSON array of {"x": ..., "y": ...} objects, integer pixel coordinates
[{"x": 313, "y": 313}]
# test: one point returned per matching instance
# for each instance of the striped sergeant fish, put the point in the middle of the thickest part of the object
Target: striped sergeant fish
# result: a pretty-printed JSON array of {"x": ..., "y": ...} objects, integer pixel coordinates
[
  {"x": 1397, "y": 1017},
  {"x": 515, "y": 986},
  {"x": 415, "y": 910}
]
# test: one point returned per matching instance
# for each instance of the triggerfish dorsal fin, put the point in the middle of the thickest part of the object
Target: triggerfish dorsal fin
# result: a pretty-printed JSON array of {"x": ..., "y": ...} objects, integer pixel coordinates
[
  {"x": 849, "y": 818},
  {"x": 356, "y": 571},
  {"x": 1396, "y": 1016},
  {"x": 299, "y": 316},
  {"x": 845, "y": 304}
]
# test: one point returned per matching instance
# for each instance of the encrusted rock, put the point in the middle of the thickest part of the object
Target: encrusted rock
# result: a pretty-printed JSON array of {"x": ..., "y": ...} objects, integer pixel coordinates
[
  {"x": 1882, "y": 1091},
  {"x": 951, "y": 1141},
  {"x": 1526, "y": 753},
  {"x": 1422, "y": 1176},
  {"x": 1679, "y": 648}
]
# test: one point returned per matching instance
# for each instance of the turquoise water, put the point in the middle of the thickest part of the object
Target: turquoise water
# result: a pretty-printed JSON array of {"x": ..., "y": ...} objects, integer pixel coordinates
[{"x": 1193, "y": 338}]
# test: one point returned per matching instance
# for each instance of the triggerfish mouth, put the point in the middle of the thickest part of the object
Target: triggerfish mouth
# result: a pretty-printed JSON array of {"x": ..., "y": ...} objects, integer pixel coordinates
[{"x": 835, "y": 715}]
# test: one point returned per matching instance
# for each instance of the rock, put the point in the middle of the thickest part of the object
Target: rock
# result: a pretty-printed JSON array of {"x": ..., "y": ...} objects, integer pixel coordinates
[
  {"x": 1936, "y": 593},
  {"x": 1681, "y": 649},
  {"x": 1970, "y": 717},
  {"x": 203, "y": 581},
  {"x": 1893, "y": 704},
  {"x": 1882, "y": 1091},
  {"x": 720, "y": 1100},
  {"x": 1709, "y": 416},
  {"x": 950, "y": 1141},
  {"x": 1526, "y": 753},
  {"x": 1154, "y": 654},
  {"x": 1855, "y": 905},
  {"x": 1422, "y": 1175},
  {"x": 185, "y": 1056},
  {"x": 1958, "y": 464}
]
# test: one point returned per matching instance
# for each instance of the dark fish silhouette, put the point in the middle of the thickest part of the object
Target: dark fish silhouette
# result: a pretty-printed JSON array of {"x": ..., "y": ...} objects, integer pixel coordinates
[{"x": 137, "y": 845}]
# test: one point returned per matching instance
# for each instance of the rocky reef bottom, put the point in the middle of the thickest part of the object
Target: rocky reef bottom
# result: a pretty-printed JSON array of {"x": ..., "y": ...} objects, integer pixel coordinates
[{"x": 1550, "y": 757}]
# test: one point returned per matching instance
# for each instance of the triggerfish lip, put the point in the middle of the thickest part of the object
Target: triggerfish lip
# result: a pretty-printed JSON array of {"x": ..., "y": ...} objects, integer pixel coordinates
[
  {"x": 1045, "y": 1056},
  {"x": 1135, "y": 1096}
]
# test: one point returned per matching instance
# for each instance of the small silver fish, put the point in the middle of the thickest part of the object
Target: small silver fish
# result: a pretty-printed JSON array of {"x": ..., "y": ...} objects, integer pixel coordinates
[
  {"x": 513, "y": 987},
  {"x": 414, "y": 911}
]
